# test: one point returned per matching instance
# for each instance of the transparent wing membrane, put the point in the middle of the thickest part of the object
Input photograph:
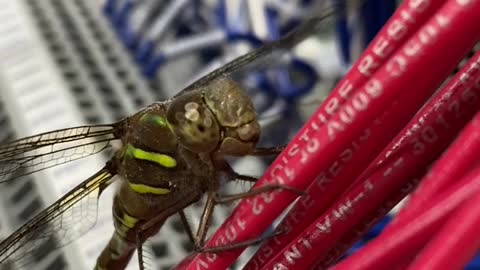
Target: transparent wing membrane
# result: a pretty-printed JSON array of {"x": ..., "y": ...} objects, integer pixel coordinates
[
  {"x": 39, "y": 152},
  {"x": 64, "y": 221},
  {"x": 266, "y": 52},
  {"x": 58, "y": 136}
]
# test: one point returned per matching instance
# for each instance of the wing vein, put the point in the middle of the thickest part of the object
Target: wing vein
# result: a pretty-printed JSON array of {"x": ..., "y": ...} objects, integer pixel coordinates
[{"x": 58, "y": 219}]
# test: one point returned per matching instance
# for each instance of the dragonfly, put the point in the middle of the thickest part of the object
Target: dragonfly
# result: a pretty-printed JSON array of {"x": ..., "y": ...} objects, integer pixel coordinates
[{"x": 172, "y": 153}]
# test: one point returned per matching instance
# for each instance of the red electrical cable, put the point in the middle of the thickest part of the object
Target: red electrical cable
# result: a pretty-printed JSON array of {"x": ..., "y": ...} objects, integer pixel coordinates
[
  {"x": 463, "y": 154},
  {"x": 316, "y": 146},
  {"x": 463, "y": 151},
  {"x": 456, "y": 243},
  {"x": 354, "y": 159},
  {"x": 364, "y": 226},
  {"x": 460, "y": 157},
  {"x": 332, "y": 183},
  {"x": 455, "y": 162},
  {"x": 392, "y": 247},
  {"x": 322, "y": 235}
]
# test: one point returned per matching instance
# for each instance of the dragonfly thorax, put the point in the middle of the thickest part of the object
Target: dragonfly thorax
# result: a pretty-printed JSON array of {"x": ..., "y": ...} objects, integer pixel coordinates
[{"x": 219, "y": 117}]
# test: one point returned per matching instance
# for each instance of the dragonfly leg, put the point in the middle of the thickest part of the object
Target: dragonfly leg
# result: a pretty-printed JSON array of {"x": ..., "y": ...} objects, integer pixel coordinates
[
  {"x": 242, "y": 177},
  {"x": 256, "y": 191},
  {"x": 205, "y": 220},
  {"x": 187, "y": 227},
  {"x": 267, "y": 151},
  {"x": 223, "y": 166},
  {"x": 140, "y": 250},
  {"x": 214, "y": 199},
  {"x": 242, "y": 244},
  {"x": 140, "y": 241}
]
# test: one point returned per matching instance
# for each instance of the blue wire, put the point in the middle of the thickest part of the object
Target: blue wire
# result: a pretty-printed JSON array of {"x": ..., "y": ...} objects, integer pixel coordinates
[
  {"x": 121, "y": 19},
  {"x": 109, "y": 8},
  {"x": 380, "y": 226},
  {"x": 343, "y": 33},
  {"x": 375, "y": 14},
  {"x": 474, "y": 264},
  {"x": 282, "y": 84},
  {"x": 386, "y": 10},
  {"x": 151, "y": 68},
  {"x": 370, "y": 18},
  {"x": 144, "y": 51}
]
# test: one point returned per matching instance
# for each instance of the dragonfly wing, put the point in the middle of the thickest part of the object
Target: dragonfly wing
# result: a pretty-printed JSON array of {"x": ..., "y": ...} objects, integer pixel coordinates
[
  {"x": 39, "y": 152},
  {"x": 141, "y": 257},
  {"x": 68, "y": 218},
  {"x": 287, "y": 42}
]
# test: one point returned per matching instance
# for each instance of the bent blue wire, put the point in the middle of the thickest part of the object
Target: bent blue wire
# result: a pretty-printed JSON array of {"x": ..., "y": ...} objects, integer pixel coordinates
[
  {"x": 280, "y": 85},
  {"x": 181, "y": 47},
  {"x": 191, "y": 44},
  {"x": 120, "y": 18},
  {"x": 132, "y": 31},
  {"x": 375, "y": 14},
  {"x": 157, "y": 29},
  {"x": 154, "y": 54},
  {"x": 109, "y": 7},
  {"x": 377, "y": 230},
  {"x": 283, "y": 86},
  {"x": 129, "y": 10},
  {"x": 343, "y": 33}
]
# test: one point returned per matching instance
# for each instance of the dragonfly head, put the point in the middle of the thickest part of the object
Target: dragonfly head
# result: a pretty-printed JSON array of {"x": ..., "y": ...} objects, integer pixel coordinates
[
  {"x": 219, "y": 117},
  {"x": 193, "y": 123}
]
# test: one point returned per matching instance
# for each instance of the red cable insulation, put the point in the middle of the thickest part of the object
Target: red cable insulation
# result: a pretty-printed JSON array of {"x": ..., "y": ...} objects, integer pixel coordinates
[
  {"x": 401, "y": 242},
  {"x": 456, "y": 243},
  {"x": 322, "y": 235},
  {"x": 318, "y": 144},
  {"x": 354, "y": 159},
  {"x": 454, "y": 163}
]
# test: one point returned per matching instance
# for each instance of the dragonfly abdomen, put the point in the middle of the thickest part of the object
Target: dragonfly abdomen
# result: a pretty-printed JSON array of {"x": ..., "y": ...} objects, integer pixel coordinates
[{"x": 122, "y": 244}]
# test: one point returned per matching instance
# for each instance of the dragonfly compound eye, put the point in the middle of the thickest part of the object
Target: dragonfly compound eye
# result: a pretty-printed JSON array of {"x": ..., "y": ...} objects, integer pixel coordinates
[
  {"x": 235, "y": 113},
  {"x": 231, "y": 106},
  {"x": 193, "y": 123}
]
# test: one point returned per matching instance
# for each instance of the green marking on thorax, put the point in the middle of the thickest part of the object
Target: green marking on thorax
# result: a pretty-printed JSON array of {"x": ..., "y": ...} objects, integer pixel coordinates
[
  {"x": 161, "y": 159},
  {"x": 158, "y": 120},
  {"x": 144, "y": 189}
]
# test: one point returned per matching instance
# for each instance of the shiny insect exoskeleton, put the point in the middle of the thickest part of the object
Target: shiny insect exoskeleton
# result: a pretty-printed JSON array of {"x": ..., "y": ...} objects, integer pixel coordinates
[{"x": 173, "y": 153}]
